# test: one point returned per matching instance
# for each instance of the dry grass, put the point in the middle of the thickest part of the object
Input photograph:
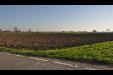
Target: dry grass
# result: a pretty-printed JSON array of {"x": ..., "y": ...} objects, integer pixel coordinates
[{"x": 45, "y": 41}]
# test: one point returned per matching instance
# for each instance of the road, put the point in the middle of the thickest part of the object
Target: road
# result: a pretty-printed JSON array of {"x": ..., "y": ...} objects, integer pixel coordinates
[{"x": 18, "y": 62}]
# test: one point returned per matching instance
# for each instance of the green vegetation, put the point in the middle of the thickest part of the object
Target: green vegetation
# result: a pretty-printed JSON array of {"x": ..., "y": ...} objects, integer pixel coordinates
[{"x": 99, "y": 52}]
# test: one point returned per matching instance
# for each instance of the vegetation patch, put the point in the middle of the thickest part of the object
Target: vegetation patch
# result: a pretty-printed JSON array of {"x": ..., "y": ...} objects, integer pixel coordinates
[{"x": 99, "y": 52}]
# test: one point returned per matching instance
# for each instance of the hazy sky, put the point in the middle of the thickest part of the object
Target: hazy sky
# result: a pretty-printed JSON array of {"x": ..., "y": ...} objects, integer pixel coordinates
[{"x": 57, "y": 17}]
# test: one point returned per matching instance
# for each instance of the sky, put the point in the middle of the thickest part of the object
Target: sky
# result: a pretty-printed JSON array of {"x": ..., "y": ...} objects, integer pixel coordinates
[{"x": 56, "y": 17}]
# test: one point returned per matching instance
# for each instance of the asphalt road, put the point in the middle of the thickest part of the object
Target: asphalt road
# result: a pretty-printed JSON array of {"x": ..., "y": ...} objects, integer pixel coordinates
[{"x": 18, "y": 62}]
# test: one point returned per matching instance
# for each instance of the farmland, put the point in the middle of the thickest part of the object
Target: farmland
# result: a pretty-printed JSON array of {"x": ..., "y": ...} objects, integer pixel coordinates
[
  {"x": 92, "y": 53},
  {"x": 46, "y": 41},
  {"x": 88, "y": 47}
]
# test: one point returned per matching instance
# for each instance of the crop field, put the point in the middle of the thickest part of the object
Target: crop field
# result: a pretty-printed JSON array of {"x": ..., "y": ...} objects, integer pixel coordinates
[
  {"x": 46, "y": 41},
  {"x": 92, "y": 53}
]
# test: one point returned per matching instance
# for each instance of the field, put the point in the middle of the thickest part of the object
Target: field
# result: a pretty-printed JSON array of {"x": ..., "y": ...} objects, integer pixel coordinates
[
  {"x": 88, "y": 47},
  {"x": 93, "y": 53},
  {"x": 46, "y": 41}
]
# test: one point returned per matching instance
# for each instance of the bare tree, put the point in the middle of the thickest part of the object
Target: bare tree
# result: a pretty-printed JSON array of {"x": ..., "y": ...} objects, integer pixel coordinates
[
  {"x": 15, "y": 29},
  {"x": 94, "y": 30},
  {"x": 63, "y": 31},
  {"x": 0, "y": 30}
]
